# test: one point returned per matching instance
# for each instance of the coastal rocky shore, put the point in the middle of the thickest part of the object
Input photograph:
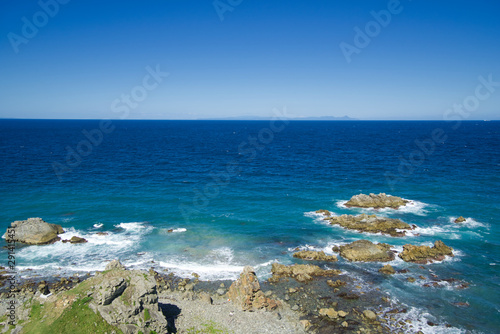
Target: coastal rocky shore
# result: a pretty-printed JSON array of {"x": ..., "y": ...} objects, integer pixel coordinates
[
  {"x": 311, "y": 296},
  {"x": 376, "y": 201}
]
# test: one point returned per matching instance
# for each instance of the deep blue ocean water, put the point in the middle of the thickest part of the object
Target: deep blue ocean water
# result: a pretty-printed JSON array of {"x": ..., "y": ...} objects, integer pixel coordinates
[{"x": 239, "y": 193}]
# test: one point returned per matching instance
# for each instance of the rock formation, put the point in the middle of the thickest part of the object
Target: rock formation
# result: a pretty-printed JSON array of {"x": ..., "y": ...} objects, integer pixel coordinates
[
  {"x": 245, "y": 292},
  {"x": 34, "y": 231},
  {"x": 126, "y": 299},
  {"x": 376, "y": 201},
  {"x": 387, "y": 269},
  {"x": 301, "y": 272},
  {"x": 314, "y": 256},
  {"x": 366, "y": 251},
  {"x": 76, "y": 240},
  {"x": 370, "y": 224},
  {"x": 460, "y": 220},
  {"x": 424, "y": 254}
]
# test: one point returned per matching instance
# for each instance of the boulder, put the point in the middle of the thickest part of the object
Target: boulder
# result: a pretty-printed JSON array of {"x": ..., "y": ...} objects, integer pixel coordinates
[
  {"x": 315, "y": 256},
  {"x": 370, "y": 315},
  {"x": 460, "y": 220},
  {"x": 328, "y": 312},
  {"x": 376, "y": 201},
  {"x": 34, "y": 231},
  {"x": 425, "y": 254},
  {"x": 387, "y": 269},
  {"x": 324, "y": 212},
  {"x": 366, "y": 251},
  {"x": 301, "y": 272},
  {"x": 77, "y": 240},
  {"x": 370, "y": 224},
  {"x": 245, "y": 293}
]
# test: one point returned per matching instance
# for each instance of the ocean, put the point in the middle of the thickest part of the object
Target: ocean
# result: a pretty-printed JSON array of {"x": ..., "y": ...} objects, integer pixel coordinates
[{"x": 213, "y": 196}]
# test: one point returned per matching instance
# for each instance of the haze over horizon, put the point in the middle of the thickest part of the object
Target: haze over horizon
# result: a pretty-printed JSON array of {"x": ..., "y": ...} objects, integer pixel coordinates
[{"x": 369, "y": 60}]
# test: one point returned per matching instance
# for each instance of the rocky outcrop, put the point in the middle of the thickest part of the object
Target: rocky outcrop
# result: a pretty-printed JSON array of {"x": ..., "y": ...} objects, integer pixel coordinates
[
  {"x": 34, "y": 231},
  {"x": 245, "y": 293},
  {"x": 366, "y": 251},
  {"x": 460, "y": 220},
  {"x": 371, "y": 224},
  {"x": 387, "y": 269},
  {"x": 301, "y": 272},
  {"x": 315, "y": 256},
  {"x": 376, "y": 201},
  {"x": 76, "y": 240},
  {"x": 127, "y": 299},
  {"x": 425, "y": 254}
]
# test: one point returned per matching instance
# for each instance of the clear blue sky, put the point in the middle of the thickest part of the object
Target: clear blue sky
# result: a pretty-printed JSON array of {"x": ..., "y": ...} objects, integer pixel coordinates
[{"x": 264, "y": 54}]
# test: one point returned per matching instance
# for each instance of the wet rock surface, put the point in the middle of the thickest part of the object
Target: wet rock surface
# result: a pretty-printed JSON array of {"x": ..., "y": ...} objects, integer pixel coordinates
[
  {"x": 425, "y": 254},
  {"x": 369, "y": 224},
  {"x": 314, "y": 256},
  {"x": 376, "y": 201},
  {"x": 366, "y": 251}
]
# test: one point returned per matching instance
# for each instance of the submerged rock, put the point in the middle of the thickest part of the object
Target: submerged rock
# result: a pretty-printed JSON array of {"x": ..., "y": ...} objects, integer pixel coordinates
[
  {"x": 301, "y": 272},
  {"x": 376, "y": 201},
  {"x": 314, "y": 256},
  {"x": 424, "y": 254},
  {"x": 387, "y": 269},
  {"x": 245, "y": 292},
  {"x": 371, "y": 224},
  {"x": 77, "y": 240},
  {"x": 34, "y": 231},
  {"x": 366, "y": 251},
  {"x": 460, "y": 220}
]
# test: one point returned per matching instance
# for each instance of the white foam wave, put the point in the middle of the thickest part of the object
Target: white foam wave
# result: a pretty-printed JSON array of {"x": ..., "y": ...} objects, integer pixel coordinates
[
  {"x": 172, "y": 230},
  {"x": 133, "y": 226},
  {"x": 419, "y": 319},
  {"x": 469, "y": 222},
  {"x": 98, "y": 225}
]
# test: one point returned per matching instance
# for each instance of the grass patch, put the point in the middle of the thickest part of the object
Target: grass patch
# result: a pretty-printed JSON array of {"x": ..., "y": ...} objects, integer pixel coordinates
[
  {"x": 147, "y": 316},
  {"x": 75, "y": 319}
]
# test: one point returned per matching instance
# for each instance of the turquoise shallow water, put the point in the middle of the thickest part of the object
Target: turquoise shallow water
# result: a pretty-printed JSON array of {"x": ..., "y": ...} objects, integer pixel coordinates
[{"x": 244, "y": 193}]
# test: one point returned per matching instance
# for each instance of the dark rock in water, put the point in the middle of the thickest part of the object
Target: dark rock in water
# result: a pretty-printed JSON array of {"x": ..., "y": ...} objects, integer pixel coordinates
[
  {"x": 314, "y": 256},
  {"x": 77, "y": 240},
  {"x": 370, "y": 224},
  {"x": 34, "y": 231},
  {"x": 170, "y": 230},
  {"x": 425, "y": 254},
  {"x": 324, "y": 212},
  {"x": 245, "y": 292},
  {"x": 301, "y": 272},
  {"x": 411, "y": 279},
  {"x": 366, "y": 251},
  {"x": 346, "y": 295},
  {"x": 376, "y": 201},
  {"x": 387, "y": 269},
  {"x": 460, "y": 220},
  {"x": 102, "y": 233}
]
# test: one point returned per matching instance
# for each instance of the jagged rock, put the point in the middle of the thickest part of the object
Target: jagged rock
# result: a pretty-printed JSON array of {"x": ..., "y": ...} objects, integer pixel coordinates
[
  {"x": 366, "y": 251},
  {"x": 370, "y": 224},
  {"x": 460, "y": 220},
  {"x": 376, "y": 201},
  {"x": 315, "y": 256},
  {"x": 123, "y": 297},
  {"x": 77, "y": 240},
  {"x": 424, "y": 254},
  {"x": 245, "y": 292},
  {"x": 370, "y": 315},
  {"x": 301, "y": 272},
  {"x": 324, "y": 212},
  {"x": 387, "y": 269},
  {"x": 34, "y": 231},
  {"x": 115, "y": 264}
]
